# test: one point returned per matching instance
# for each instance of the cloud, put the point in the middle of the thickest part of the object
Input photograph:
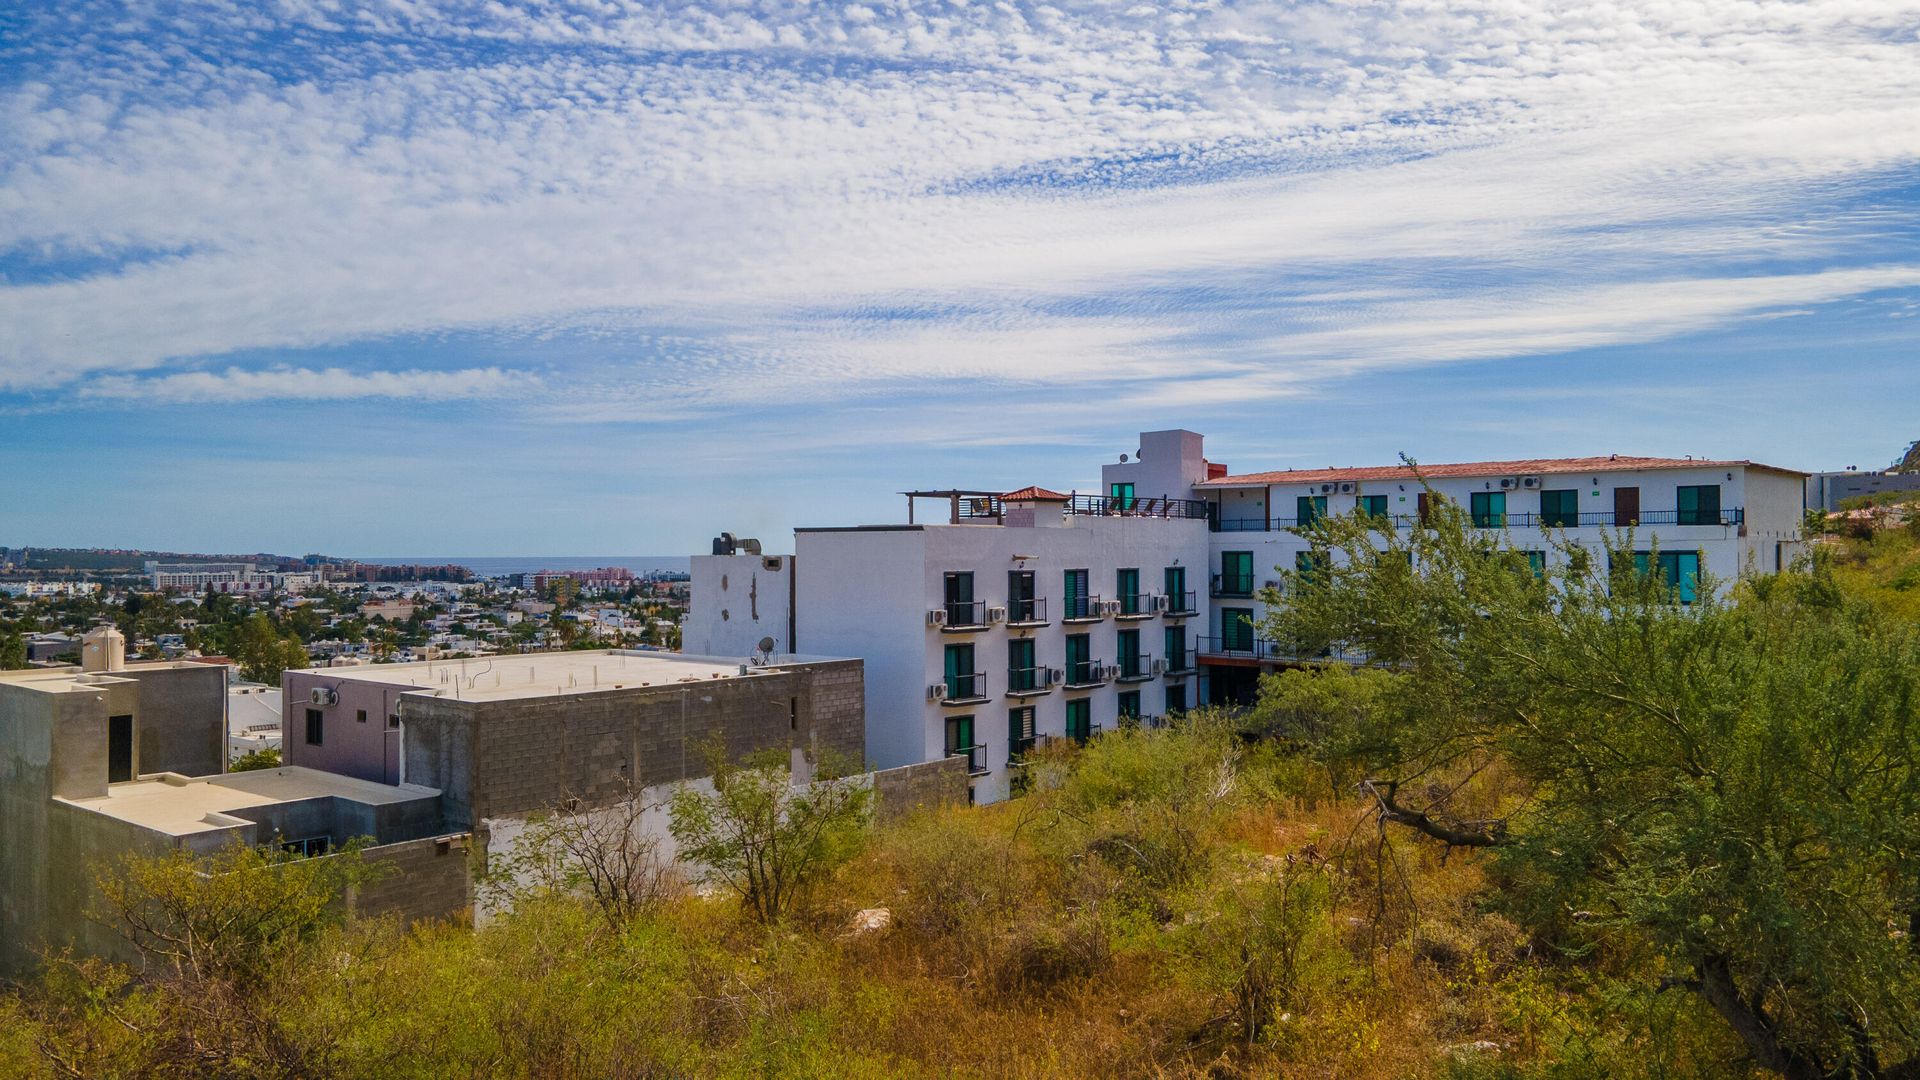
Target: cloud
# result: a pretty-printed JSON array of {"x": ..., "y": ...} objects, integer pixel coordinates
[
  {"x": 305, "y": 384},
  {"x": 836, "y": 202}
]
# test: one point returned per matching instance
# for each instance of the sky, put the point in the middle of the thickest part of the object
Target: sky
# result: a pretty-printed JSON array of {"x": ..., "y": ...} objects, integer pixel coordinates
[{"x": 599, "y": 276}]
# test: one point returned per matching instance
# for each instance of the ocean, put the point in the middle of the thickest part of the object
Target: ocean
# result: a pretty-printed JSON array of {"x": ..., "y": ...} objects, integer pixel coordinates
[{"x": 497, "y": 565}]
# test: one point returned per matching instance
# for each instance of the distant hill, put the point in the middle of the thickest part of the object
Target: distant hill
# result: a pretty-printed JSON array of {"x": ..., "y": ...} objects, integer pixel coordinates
[{"x": 1909, "y": 461}]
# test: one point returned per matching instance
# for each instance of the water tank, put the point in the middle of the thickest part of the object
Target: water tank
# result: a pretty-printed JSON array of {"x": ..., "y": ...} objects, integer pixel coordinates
[{"x": 103, "y": 649}]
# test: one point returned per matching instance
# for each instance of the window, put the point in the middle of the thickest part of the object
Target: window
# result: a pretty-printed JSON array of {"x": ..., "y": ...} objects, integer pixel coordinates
[
  {"x": 1078, "y": 603},
  {"x": 962, "y": 680},
  {"x": 1236, "y": 629},
  {"x": 360, "y": 715},
  {"x": 1176, "y": 649},
  {"x": 1122, "y": 495},
  {"x": 1373, "y": 506},
  {"x": 1079, "y": 719},
  {"x": 1126, "y": 589},
  {"x": 307, "y": 848},
  {"x": 1176, "y": 585},
  {"x": 1236, "y": 573},
  {"x": 1019, "y": 732},
  {"x": 1679, "y": 571},
  {"x": 1560, "y": 509},
  {"x": 960, "y": 606},
  {"x": 1080, "y": 658},
  {"x": 1129, "y": 705},
  {"x": 1129, "y": 646},
  {"x": 1021, "y": 673},
  {"x": 960, "y": 743},
  {"x": 316, "y": 725},
  {"x": 1697, "y": 505},
  {"x": 1021, "y": 605},
  {"x": 1537, "y": 562},
  {"x": 1309, "y": 509},
  {"x": 1176, "y": 698},
  {"x": 393, "y": 720},
  {"x": 1489, "y": 509}
]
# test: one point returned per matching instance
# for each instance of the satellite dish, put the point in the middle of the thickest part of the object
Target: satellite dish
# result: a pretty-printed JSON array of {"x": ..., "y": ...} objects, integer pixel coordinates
[
  {"x": 766, "y": 644},
  {"x": 1123, "y": 459}
]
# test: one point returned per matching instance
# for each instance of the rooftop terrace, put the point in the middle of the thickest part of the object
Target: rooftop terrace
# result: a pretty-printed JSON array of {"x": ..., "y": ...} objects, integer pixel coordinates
[{"x": 180, "y": 806}]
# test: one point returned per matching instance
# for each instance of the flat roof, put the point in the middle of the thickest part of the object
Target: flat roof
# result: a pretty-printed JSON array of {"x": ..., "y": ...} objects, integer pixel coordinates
[
  {"x": 1523, "y": 466},
  {"x": 181, "y": 805},
  {"x": 72, "y": 679},
  {"x": 547, "y": 674}
]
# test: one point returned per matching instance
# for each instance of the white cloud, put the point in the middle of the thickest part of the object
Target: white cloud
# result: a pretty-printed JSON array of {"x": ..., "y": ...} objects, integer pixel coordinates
[
  {"x": 305, "y": 384},
  {"x": 1146, "y": 195}
]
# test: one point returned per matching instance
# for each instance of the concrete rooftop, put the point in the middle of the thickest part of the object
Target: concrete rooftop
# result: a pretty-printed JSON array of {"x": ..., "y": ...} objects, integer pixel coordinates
[
  {"x": 71, "y": 679},
  {"x": 180, "y": 806},
  {"x": 545, "y": 674}
]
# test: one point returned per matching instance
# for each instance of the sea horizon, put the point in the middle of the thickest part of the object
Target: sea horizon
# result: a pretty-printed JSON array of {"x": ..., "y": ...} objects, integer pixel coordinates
[{"x": 497, "y": 565}]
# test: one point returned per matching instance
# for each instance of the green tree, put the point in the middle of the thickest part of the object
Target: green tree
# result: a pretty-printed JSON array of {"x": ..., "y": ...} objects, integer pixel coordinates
[
  {"x": 1731, "y": 784},
  {"x": 13, "y": 651},
  {"x": 265, "y": 758},
  {"x": 765, "y": 837},
  {"x": 262, "y": 653}
]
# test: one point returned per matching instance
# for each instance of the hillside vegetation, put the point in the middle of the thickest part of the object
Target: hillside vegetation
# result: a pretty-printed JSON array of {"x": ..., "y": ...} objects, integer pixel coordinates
[{"x": 1567, "y": 828}]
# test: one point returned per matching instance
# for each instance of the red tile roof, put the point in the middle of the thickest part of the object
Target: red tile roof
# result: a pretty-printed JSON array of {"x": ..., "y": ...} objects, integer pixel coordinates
[
  {"x": 1034, "y": 494},
  {"x": 1523, "y": 467}
]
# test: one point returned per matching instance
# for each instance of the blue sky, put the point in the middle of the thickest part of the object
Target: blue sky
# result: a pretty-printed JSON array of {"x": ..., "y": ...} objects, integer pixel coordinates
[{"x": 611, "y": 277}]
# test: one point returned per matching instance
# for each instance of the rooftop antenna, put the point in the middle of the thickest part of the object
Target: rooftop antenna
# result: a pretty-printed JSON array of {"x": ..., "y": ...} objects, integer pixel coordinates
[{"x": 763, "y": 652}]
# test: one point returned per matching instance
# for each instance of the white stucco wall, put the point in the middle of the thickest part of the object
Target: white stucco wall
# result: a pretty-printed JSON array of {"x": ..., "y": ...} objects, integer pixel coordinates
[{"x": 735, "y": 601}]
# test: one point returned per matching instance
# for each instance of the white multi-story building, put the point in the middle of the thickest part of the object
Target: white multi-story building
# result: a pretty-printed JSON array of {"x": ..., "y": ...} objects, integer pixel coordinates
[{"x": 1033, "y": 614}]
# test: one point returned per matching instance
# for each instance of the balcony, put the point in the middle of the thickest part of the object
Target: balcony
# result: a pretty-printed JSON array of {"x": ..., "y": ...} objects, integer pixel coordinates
[
  {"x": 1086, "y": 675},
  {"x": 1182, "y": 605},
  {"x": 1135, "y": 669},
  {"x": 965, "y": 689},
  {"x": 1083, "y": 609},
  {"x": 1018, "y": 749},
  {"x": 1086, "y": 736},
  {"x": 1029, "y": 681},
  {"x": 1134, "y": 606},
  {"x": 960, "y": 616},
  {"x": 984, "y": 506},
  {"x": 976, "y": 756},
  {"x": 1182, "y": 662},
  {"x": 1232, "y": 585},
  {"x": 1239, "y": 647},
  {"x": 1029, "y": 612}
]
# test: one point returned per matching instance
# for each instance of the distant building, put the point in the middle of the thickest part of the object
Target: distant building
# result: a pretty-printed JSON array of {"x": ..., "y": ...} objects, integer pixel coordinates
[
  {"x": 34, "y": 589},
  {"x": 227, "y": 577},
  {"x": 1826, "y": 490}
]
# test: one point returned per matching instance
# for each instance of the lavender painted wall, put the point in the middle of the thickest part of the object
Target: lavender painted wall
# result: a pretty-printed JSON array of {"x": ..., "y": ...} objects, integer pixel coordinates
[{"x": 369, "y": 750}]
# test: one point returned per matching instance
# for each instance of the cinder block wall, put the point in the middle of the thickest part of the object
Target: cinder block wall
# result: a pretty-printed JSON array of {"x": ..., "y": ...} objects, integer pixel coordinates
[
  {"x": 940, "y": 782},
  {"x": 423, "y": 880},
  {"x": 517, "y": 756}
]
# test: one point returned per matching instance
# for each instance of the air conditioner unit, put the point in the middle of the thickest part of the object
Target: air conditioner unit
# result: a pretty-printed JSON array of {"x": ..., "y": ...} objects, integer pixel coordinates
[
  {"x": 1326, "y": 489},
  {"x": 1348, "y": 487},
  {"x": 996, "y": 614},
  {"x": 320, "y": 695},
  {"x": 1273, "y": 584},
  {"x": 1529, "y": 481},
  {"x": 1110, "y": 673},
  {"x": 936, "y": 691},
  {"x": 1507, "y": 483},
  {"x": 1052, "y": 676},
  {"x": 1159, "y": 667},
  {"x": 1156, "y": 603},
  {"x": 937, "y": 616}
]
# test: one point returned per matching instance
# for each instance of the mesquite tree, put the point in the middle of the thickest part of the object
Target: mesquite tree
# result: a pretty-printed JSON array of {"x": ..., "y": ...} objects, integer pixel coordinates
[{"x": 1729, "y": 780}]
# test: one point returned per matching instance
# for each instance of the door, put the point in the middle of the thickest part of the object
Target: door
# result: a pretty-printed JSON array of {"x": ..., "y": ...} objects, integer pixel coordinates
[
  {"x": 1626, "y": 507},
  {"x": 960, "y": 672},
  {"x": 960, "y": 600},
  {"x": 119, "y": 749},
  {"x": 1423, "y": 508}
]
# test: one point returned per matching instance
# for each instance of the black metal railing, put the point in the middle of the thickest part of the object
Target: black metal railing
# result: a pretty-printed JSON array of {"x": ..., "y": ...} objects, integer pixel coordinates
[
  {"x": 966, "y": 687},
  {"x": 1134, "y": 605},
  {"x": 965, "y": 613},
  {"x": 1181, "y": 662},
  {"x": 1232, "y": 585},
  {"x": 1086, "y": 673},
  {"x": 1018, "y": 749},
  {"x": 1084, "y": 735},
  {"x": 1517, "y": 519},
  {"x": 976, "y": 756},
  {"x": 1027, "y": 680},
  {"x": 1183, "y": 603},
  {"x": 1080, "y": 607},
  {"x": 1136, "y": 506},
  {"x": 1031, "y": 611},
  {"x": 1240, "y": 647},
  {"x": 1137, "y": 666}
]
